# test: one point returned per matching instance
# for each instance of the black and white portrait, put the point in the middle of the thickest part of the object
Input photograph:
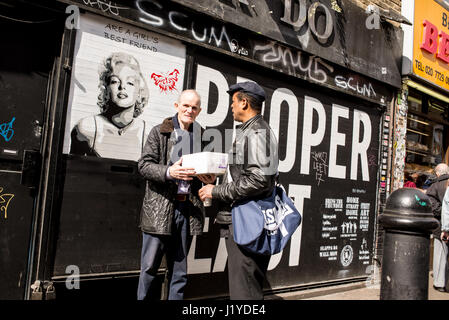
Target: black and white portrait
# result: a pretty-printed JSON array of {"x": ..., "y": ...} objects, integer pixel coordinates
[
  {"x": 123, "y": 96},
  {"x": 116, "y": 95}
]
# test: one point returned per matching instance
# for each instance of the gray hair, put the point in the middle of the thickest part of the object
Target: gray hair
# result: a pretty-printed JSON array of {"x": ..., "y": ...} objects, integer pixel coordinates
[
  {"x": 189, "y": 91},
  {"x": 441, "y": 169}
]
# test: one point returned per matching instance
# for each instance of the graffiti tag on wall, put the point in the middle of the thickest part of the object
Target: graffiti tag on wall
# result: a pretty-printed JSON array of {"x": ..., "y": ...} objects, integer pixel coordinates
[
  {"x": 5, "y": 199},
  {"x": 320, "y": 166},
  {"x": 6, "y": 130},
  {"x": 105, "y": 6}
]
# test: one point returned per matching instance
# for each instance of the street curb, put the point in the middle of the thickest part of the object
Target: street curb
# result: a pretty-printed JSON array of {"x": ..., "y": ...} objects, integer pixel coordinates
[{"x": 316, "y": 292}]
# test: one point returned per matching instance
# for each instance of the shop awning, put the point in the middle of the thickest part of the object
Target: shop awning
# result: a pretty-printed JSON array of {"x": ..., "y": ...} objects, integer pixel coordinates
[{"x": 427, "y": 91}]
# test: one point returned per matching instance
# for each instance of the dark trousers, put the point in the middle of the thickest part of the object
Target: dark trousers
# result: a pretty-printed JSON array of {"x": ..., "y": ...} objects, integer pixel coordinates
[
  {"x": 246, "y": 271},
  {"x": 176, "y": 247}
]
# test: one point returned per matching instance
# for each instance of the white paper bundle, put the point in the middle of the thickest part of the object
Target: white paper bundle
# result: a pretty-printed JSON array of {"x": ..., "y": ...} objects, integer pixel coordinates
[{"x": 206, "y": 162}]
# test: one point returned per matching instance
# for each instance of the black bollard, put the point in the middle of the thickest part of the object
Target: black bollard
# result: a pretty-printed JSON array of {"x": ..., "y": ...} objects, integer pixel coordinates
[{"x": 408, "y": 222}]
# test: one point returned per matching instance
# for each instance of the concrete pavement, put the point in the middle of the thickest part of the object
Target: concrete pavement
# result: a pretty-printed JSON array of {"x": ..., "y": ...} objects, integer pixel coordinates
[{"x": 352, "y": 291}]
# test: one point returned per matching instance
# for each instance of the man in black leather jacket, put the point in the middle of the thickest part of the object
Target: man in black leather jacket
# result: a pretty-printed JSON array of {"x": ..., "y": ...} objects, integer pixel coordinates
[
  {"x": 251, "y": 174},
  {"x": 171, "y": 211}
]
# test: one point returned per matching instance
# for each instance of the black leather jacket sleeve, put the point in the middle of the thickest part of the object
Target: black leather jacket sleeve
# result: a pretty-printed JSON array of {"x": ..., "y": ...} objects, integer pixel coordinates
[
  {"x": 151, "y": 165},
  {"x": 256, "y": 177},
  {"x": 251, "y": 183}
]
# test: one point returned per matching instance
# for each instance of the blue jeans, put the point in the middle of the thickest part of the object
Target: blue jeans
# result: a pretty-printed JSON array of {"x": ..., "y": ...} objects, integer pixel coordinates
[{"x": 176, "y": 247}]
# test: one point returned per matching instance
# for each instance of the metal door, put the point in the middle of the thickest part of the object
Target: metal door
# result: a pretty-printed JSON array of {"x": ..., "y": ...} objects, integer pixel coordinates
[{"x": 27, "y": 55}]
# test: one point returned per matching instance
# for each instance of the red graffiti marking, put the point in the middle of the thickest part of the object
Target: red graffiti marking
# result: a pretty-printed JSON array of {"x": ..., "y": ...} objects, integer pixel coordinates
[{"x": 166, "y": 83}]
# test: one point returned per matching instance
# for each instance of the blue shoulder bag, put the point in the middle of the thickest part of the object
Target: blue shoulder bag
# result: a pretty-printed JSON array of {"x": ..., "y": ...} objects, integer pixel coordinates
[{"x": 265, "y": 226}]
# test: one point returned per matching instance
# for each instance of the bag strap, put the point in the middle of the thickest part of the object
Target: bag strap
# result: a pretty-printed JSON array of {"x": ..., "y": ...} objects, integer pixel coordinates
[{"x": 277, "y": 180}]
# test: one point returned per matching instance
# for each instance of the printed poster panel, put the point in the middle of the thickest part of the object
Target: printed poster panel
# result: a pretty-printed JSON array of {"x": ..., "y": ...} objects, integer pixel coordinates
[
  {"x": 124, "y": 81},
  {"x": 328, "y": 152}
]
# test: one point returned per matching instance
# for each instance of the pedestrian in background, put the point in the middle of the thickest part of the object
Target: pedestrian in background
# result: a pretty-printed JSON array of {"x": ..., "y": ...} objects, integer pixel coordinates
[
  {"x": 420, "y": 182},
  {"x": 408, "y": 180},
  {"x": 436, "y": 193}
]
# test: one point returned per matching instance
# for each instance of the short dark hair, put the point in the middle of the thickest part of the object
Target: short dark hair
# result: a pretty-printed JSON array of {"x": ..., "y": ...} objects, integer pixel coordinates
[
  {"x": 421, "y": 180},
  {"x": 254, "y": 103}
]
